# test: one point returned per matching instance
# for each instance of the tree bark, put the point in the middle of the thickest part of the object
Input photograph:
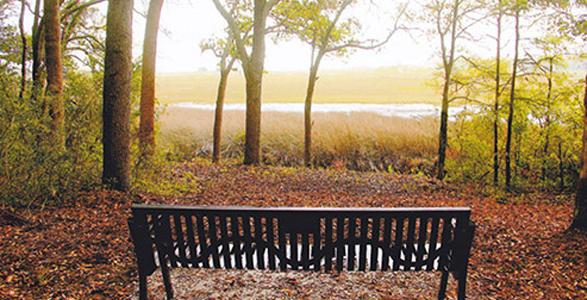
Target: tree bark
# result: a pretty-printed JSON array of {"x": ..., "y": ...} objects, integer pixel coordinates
[
  {"x": 24, "y": 50},
  {"x": 448, "y": 64},
  {"x": 508, "y": 143},
  {"x": 254, "y": 82},
  {"x": 147, "y": 106},
  {"x": 38, "y": 53},
  {"x": 312, "y": 78},
  {"x": 547, "y": 122},
  {"x": 497, "y": 94},
  {"x": 580, "y": 214},
  {"x": 54, "y": 67},
  {"x": 217, "y": 132},
  {"x": 116, "y": 95}
]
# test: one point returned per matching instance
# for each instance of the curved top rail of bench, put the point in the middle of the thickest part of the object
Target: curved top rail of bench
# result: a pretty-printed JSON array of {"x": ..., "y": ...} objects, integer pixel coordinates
[{"x": 293, "y": 209}]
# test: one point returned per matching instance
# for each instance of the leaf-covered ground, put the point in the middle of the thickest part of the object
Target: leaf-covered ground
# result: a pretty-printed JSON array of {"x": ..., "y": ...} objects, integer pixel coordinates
[{"x": 81, "y": 250}]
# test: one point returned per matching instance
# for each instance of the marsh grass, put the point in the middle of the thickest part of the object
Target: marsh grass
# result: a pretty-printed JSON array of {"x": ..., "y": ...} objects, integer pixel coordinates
[
  {"x": 357, "y": 141},
  {"x": 381, "y": 85}
]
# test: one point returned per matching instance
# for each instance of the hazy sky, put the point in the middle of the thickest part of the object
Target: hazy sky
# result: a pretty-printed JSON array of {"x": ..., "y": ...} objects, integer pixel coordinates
[{"x": 184, "y": 23}]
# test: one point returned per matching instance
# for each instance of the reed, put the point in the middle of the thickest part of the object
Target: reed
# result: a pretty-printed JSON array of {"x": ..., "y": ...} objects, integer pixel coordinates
[{"x": 357, "y": 141}]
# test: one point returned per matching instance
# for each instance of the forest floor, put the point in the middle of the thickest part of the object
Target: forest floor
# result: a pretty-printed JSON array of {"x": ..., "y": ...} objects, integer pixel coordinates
[{"x": 81, "y": 249}]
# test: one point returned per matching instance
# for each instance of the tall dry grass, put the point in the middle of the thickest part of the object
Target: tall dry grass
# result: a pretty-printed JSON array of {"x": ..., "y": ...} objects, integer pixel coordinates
[{"x": 357, "y": 141}]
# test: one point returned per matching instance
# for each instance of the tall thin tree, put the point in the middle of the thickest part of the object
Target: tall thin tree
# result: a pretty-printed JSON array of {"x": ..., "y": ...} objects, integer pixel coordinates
[
  {"x": 498, "y": 90},
  {"x": 23, "y": 50},
  {"x": 223, "y": 50},
  {"x": 116, "y": 95},
  {"x": 147, "y": 107},
  {"x": 320, "y": 24},
  {"x": 37, "y": 51},
  {"x": 54, "y": 66},
  {"x": 510, "y": 121}
]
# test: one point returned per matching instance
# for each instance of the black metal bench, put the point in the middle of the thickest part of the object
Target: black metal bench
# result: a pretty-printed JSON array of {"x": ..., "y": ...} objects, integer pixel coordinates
[{"x": 288, "y": 238}]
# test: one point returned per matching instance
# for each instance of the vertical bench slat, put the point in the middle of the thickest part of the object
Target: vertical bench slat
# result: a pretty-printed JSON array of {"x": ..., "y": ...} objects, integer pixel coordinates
[
  {"x": 259, "y": 242},
  {"x": 374, "y": 243},
  {"x": 386, "y": 243},
  {"x": 159, "y": 239},
  {"x": 236, "y": 241},
  {"x": 410, "y": 243},
  {"x": 316, "y": 236},
  {"x": 282, "y": 248},
  {"x": 422, "y": 235},
  {"x": 328, "y": 247},
  {"x": 432, "y": 244},
  {"x": 445, "y": 241},
  {"x": 399, "y": 234},
  {"x": 339, "y": 243},
  {"x": 213, "y": 235},
  {"x": 203, "y": 240},
  {"x": 247, "y": 240},
  {"x": 189, "y": 223},
  {"x": 180, "y": 240},
  {"x": 271, "y": 241},
  {"x": 352, "y": 239},
  {"x": 363, "y": 243},
  {"x": 168, "y": 237},
  {"x": 225, "y": 243},
  {"x": 293, "y": 250},
  {"x": 306, "y": 251}
]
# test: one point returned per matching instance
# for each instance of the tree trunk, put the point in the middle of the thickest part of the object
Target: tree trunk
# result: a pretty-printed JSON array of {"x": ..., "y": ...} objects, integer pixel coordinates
[
  {"x": 147, "y": 107},
  {"x": 312, "y": 78},
  {"x": 217, "y": 133},
  {"x": 24, "y": 50},
  {"x": 547, "y": 123},
  {"x": 443, "y": 135},
  {"x": 508, "y": 143},
  {"x": 54, "y": 71},
  {"x": 561, "y": 167},
  {"x": 580, "y": 215},
  {"x": 38, "y": 53},
  {"x": 254, "y": 82},
  {"x": 448, "y": 65},
  {"x": 497, "y": 94},
  {"x": 116, "y": 95}
]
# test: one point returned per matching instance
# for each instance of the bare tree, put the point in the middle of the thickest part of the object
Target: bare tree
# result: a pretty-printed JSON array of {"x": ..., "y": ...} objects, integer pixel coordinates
[
  {"x": 147, "y": 107},
  {"x": 498, "y": 91},
  {"x": 116, "y": 95},
  {"x": 452, "y": 20},
  {"x": 508, "y": 143}
]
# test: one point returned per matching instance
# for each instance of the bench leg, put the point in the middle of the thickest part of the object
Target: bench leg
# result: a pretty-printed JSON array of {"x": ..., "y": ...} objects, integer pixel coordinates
[
  {"x": 167, "y": 281},
  {"x": 443, "y": 284},
  {"x": 142, "y": 286},
  {"x": 462, "y": 286}
]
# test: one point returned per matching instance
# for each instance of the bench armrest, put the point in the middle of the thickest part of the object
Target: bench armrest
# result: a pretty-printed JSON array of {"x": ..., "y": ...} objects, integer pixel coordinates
[
  {"x": 462, "y": 249},
  {"x": 143, "y": 246}
]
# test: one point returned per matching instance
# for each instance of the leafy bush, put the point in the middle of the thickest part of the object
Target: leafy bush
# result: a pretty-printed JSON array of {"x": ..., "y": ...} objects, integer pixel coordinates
[{"x": 33, "y": 171}]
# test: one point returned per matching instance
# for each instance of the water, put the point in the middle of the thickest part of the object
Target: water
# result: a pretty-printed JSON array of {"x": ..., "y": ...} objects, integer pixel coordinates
[{"x": 411, "y": 110}]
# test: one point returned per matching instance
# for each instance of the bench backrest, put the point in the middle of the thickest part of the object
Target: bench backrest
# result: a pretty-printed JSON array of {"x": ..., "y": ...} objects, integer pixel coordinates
[{"x": 302, "y": 238}]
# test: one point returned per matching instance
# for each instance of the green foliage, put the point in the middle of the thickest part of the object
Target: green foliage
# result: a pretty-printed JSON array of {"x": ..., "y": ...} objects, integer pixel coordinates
[{"x": 33, "y": 171}]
